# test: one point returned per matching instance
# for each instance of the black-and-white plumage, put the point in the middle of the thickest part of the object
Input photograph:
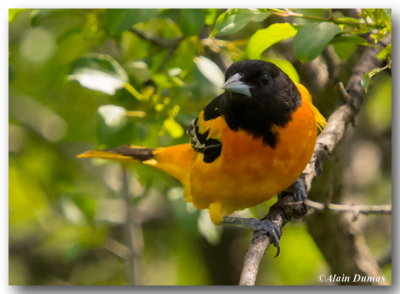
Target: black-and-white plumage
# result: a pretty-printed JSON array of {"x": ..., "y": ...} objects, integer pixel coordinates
[{"x": 211, "y": 148}]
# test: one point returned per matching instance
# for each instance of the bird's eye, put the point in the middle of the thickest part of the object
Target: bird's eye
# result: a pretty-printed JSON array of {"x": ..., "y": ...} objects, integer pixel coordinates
[{"x": 265, "y": 79}]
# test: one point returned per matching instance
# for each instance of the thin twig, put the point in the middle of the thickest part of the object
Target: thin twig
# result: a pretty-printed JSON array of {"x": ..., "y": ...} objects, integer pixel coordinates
[
  {"x": 288, "y": 13},
  {"x": 356, "y": 209},
  {"x": 343, "y": 93},
  {"x": 155, "y": 40},
  {"x": 326, "y": 142}
]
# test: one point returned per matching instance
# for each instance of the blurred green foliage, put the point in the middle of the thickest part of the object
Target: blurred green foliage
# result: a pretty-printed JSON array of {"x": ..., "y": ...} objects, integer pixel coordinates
[{"x": 97, "y": 78}]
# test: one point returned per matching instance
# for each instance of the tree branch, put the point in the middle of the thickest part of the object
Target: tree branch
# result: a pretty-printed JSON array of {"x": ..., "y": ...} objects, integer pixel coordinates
[
  {"x": 355, "y": 209},
  {"x": 258, "y": 244},
  {"x": 281, "y": 212},
  {"x": 284, "y": 210}
]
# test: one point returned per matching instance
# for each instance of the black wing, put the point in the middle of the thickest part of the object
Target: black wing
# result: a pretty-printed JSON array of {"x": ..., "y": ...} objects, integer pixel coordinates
[{"x": 211, "y": 148}]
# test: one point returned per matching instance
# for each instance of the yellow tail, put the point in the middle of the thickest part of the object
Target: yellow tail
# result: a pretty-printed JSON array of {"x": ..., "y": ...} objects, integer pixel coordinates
[{"x": 175, "y": 160}]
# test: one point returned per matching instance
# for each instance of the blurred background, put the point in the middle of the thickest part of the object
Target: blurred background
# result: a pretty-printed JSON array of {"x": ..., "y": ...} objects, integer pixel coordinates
[{"x": 83, "y": 79}]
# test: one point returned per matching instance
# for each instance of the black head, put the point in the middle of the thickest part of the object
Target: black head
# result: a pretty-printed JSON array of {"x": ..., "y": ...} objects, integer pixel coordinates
[{"x": 258, "y": 96}]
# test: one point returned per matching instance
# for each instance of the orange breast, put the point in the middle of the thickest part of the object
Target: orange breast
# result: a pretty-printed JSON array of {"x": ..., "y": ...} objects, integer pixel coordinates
[{"x": 248, "y": 171}]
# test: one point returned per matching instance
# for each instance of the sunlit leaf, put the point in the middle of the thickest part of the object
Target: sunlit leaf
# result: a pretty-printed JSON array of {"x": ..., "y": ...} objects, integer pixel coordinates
[
  {"x": 173, "y": 128},
  {"x": 210, "y": 70},
  {"x": 381, "y": 17},
  {"x": 312, "y": 38},
  {"x": 211, "y": 15},
  {"x": 385, "y": 52},
  {"x": 265, "y": 38},
  {"x": 192, "y": 21},
  {"x": 286, "y": 67},
  {"x": 119, "y": 20},
  {"x": 234, "y": 20},
  {"x": 368, "y": 76},
  {"x": 99, "y": 72}
]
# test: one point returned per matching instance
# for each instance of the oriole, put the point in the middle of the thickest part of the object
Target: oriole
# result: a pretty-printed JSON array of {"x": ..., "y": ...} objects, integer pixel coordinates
[{"x": 247, "y": 145}]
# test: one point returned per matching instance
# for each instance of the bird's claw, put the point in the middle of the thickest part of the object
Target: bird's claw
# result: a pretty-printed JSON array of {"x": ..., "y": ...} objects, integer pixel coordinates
[
  {"x": 264, "y": 226},
  {"x": 272, "y": 231}
]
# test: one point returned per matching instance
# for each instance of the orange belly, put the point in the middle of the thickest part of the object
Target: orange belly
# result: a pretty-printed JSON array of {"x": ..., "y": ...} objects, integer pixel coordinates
[{"x": 248, "y": 171}]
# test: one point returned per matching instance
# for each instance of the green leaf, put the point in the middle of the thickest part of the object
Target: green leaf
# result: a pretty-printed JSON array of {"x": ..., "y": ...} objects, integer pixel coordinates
[
  {"x": 348, "y": 38},
  {"x": 286, "y": 67},
  {"x": 265, "y": 38},
  {"x": 211, "y": 16},
  {"x": 368, "y": 76},
  {"x": 345, "y": 44},
  {"x": 385, "y": 52},
  {"x": 192, "y": 21},
  {"x": 210, "y": 70},
  {"x": 312, "y": 38},
  {"x": 99, "y": 72},
  {"x": 119, "y": 20},
  {"x": 233, "y": 20},
  {"x": 381, "y": 17},
  {"x": 344, "y": 50}
]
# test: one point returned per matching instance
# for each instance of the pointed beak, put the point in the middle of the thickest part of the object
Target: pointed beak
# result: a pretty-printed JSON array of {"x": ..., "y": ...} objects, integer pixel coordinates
[{"x": 235, "y": 85}]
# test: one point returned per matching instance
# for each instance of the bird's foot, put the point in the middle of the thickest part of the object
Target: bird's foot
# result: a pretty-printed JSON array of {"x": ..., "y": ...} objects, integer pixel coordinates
[
  {"x": 300, "y": 193},
  {"x": 257, "y": 225},
  {"x": 295, "y": 204}
]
